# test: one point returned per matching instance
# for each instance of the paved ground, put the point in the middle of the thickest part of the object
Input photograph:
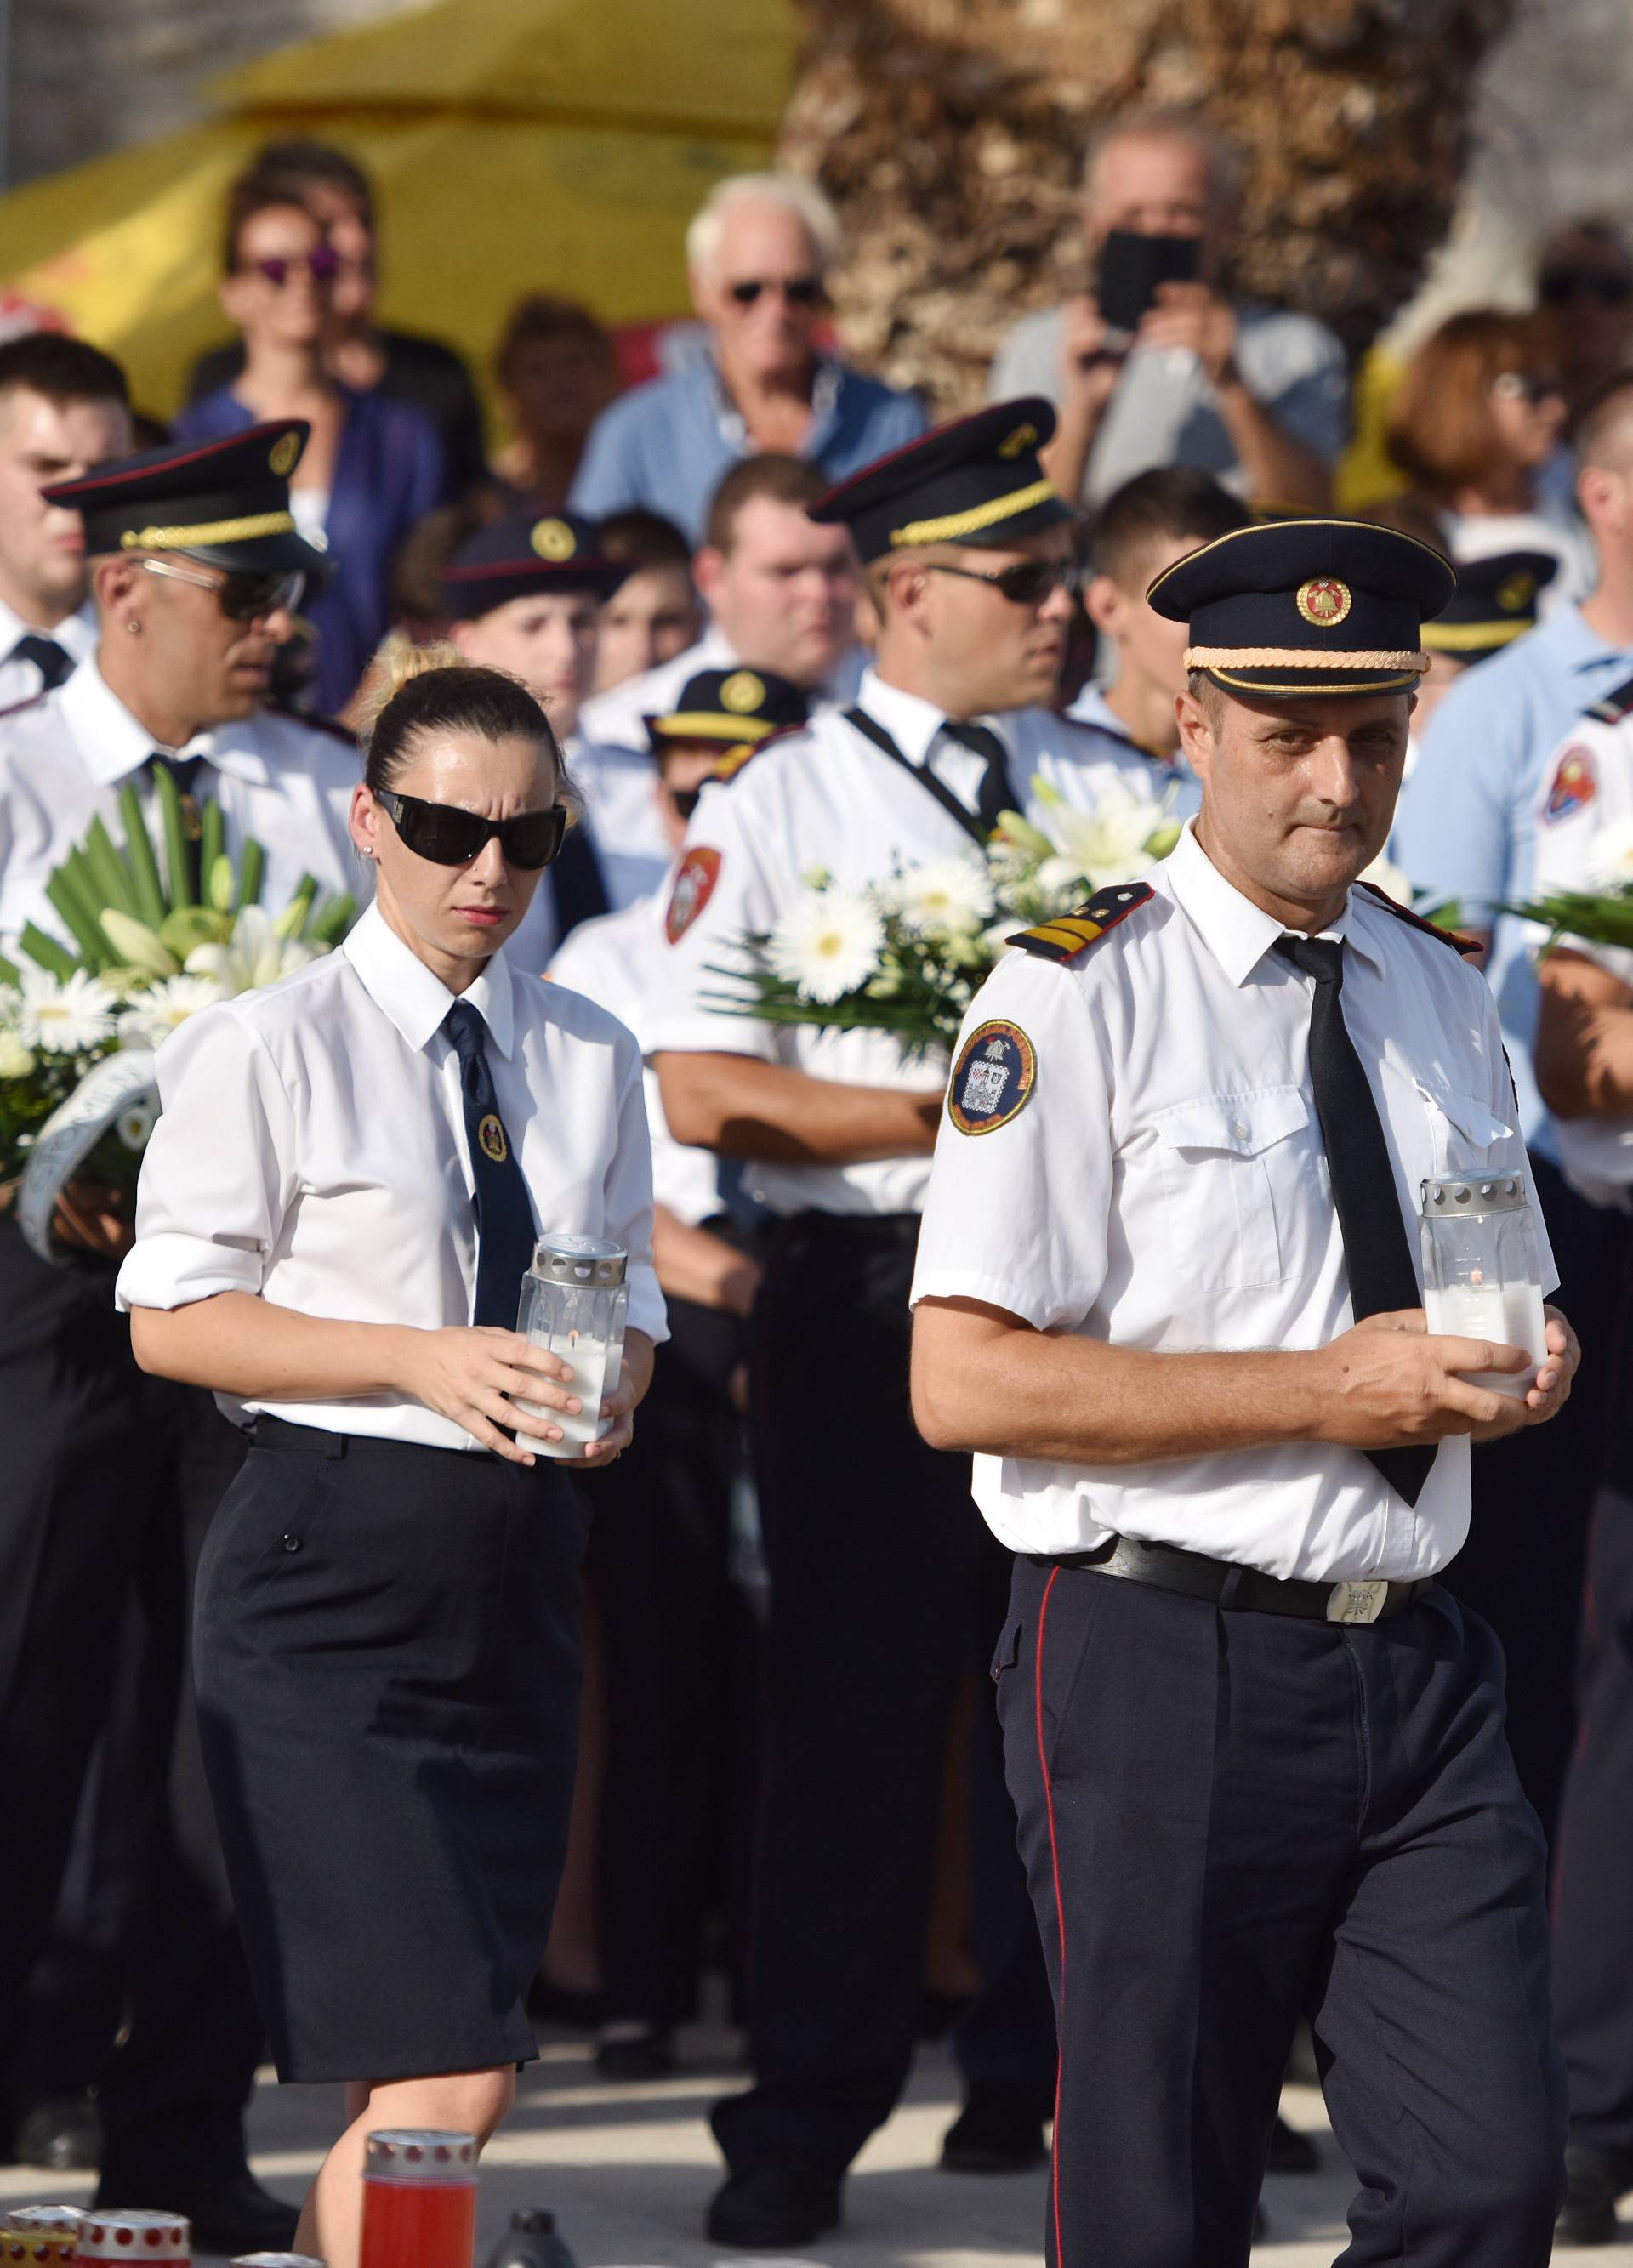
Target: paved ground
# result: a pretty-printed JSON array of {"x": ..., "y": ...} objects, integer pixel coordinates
[{"x": 628, "y": 2169}]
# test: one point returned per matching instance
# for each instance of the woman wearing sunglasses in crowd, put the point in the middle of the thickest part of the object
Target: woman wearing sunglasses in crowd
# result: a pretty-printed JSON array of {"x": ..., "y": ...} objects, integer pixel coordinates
[
  {"x": 374, "y": 466},
  {"x": 1478, "y": 413},
  {"x": 335, "y": 1213}
]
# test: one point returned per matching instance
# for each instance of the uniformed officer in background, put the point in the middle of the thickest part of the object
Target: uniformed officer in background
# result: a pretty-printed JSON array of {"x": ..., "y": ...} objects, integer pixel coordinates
[
  {"x": 678, "y": 1746},
  {"x": 883, "y": 1582},
  {"x": 1256, "y": 1749},
  {"x": 112, "y": 1477},
  {"x": 1585, "y": 1068}
]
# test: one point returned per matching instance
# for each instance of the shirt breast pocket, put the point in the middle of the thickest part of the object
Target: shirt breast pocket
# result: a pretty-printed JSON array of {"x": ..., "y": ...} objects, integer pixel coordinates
[
  {"x": 1233, "y": 1166},
  {"x": 1466, "y": 1136}
]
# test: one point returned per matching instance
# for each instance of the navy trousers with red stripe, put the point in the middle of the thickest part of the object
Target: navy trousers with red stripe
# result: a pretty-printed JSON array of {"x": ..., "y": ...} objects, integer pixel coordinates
[{"x": 1228, "y": 1818}]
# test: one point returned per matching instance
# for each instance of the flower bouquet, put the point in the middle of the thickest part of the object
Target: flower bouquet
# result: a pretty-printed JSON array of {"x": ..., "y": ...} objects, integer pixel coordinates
[
  {"x": 80, "y": 1023},
  {"x": 907, "y": 956},
  {"x": 1603, "y": 916}
]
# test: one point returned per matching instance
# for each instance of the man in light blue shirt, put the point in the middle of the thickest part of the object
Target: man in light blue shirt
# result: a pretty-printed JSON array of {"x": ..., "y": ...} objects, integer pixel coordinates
[
  {"x": 757, "y": 253},
  {"x": 1466, "y": 830}
]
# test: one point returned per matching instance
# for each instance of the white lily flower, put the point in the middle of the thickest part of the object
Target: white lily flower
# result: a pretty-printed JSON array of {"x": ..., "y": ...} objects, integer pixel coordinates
[
  {"x": 829, "y": 945},
  {"x": 253, "y": 956},
  {"x": 136, "y": 944}
]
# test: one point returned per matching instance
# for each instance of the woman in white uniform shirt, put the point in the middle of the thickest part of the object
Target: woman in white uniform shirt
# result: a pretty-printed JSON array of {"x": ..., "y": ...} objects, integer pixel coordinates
[{"x": 336, "y": 1212}]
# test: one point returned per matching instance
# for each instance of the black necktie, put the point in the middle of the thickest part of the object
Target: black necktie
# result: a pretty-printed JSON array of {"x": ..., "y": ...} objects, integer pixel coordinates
[
  {"x": 1377, "y": 1253},
  {"x": 505, "y": 1229},
  {"x": 52, "y": 661},
  {"x": 994, "y": 795},
  {"x": 184, "y": 771}
]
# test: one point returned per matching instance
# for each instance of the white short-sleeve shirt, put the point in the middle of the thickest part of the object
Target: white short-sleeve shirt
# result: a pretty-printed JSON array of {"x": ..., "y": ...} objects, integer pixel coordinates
[
  {"x": 312, "y": 1150},
  {"x": 1163, "y": 1185},
  {"x": 1585, "y": 837},
  {"x": 828, "y": 799}
]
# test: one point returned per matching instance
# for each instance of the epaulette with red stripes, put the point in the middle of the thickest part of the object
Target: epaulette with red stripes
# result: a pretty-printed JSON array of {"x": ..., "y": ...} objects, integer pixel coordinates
[
  {"x": 1069, "y": 934},
  {"x": 1455, "y": 939},
  {"x": 313, "y": 722}
]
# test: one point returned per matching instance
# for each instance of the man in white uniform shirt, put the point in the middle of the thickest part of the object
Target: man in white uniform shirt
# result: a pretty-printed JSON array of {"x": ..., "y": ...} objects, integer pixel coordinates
[
  {"x": 112, "y": 1477},
  {"x": 883, "y": 1585},
  {"x": 63, "y": 409},
  {"x": 1584, "y": 1069},
  {"x": 781, "y": 594},
  {"x": 1168, "y": 1292}
]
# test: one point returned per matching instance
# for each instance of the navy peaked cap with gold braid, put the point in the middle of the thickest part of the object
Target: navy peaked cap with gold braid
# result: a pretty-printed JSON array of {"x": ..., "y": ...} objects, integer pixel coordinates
[
  {"x": 224, "y": 502},
  {"x": 523, "y": 554},
  {"x": 733, "y": 708},
  {"x": 1307, "y": 606},
  {"x": 1070, "y": 934},
  {"x": 1495, "y": 602},
  {"x": 976, "y": 481}
]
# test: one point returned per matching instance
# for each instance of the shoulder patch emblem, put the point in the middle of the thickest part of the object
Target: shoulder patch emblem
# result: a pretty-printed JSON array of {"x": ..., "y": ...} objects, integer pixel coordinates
[
  {"x": 1070, "y": 934},
  {"x": 694, "y": 887},
  {"x": 993, "y": 1079},
  {"x": 1574, "y": 785}
]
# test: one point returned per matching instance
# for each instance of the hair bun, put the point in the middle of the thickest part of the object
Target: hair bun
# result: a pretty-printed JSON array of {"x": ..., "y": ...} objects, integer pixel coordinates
[{"x": 397, "y": 660}]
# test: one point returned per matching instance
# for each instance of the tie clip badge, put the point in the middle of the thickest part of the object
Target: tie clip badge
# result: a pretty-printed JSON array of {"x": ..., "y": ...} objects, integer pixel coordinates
[
  {"x": 491, "y": 1134},
  {"x": 694, "y": 887},
  {"x": 993, "y": 1079}
]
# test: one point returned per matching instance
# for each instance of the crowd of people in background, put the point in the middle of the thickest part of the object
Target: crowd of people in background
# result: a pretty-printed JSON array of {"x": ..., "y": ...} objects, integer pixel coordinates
[{"x": 641, "y": 556}]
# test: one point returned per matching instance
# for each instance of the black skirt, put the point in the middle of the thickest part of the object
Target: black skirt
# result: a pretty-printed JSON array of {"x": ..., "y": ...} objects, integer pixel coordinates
[{"x": 387, "y": 1655}]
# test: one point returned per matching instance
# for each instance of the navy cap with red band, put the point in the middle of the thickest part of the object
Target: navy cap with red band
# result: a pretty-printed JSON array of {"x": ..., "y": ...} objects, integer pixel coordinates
[
  {"x": 225, "y": 502},
  {"x": 526, "y": 554},
  {"x": 978, "y": 480}
]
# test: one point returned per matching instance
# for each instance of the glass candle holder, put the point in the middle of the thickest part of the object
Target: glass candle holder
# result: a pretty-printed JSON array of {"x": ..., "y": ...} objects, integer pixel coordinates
[
  {"x": 574, "y": 1300},
  {"x": 419, "y": 2199},
  {"x": 1482, "y": 1277}
]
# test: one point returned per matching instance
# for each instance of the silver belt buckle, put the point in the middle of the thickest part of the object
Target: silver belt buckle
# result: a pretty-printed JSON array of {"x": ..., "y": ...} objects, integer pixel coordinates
[{"x": 1357, "y": 1601}]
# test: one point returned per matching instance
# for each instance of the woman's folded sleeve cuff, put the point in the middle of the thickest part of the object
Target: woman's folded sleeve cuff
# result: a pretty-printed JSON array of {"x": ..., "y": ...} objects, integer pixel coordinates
[{"x": 168, "y": 1269}]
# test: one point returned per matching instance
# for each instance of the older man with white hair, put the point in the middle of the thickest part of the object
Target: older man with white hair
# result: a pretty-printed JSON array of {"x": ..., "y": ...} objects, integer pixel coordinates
[{"x": 758, "y": 253}]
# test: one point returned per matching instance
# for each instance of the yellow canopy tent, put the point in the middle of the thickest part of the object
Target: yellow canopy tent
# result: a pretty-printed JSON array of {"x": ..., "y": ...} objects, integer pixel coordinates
[{"x": 517, "y": 145}]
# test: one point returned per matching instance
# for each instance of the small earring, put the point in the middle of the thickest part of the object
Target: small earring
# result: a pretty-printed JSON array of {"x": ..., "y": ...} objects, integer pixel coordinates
[{"x": 133, "y": 626}]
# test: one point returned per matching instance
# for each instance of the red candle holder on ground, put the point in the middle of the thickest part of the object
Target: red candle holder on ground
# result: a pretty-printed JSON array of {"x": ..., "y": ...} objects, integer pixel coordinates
[
  {"x": 419, "y": 2199},
  {"x": 158, "y": 2240}
]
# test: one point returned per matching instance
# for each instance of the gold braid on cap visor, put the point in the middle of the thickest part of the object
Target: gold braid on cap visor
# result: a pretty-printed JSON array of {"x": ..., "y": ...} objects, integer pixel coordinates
[
  {"x": 952, "y": 525},
  {"x": 208, "y": 531},
  {"x": 1281, "y": 657}
]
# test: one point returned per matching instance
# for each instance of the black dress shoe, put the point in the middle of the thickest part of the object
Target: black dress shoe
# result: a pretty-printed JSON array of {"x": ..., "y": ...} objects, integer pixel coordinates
[
  {"x": 999, "y": 2131},
  {"x": 1291, "y": 2151},
  {"x": 645, "y": 2054},
  {"x": 231, "y": 2213},
  {"x": 1594, "y": 2179},
  {"x": 63, "y": 2134},
  {"x": 768, "y": 2205}
]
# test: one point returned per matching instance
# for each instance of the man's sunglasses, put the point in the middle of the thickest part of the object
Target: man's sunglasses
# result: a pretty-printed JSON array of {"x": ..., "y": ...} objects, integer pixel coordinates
[
  {"x": 798, "y": 291},
  {"x": 321, "y": 264},
  {"x": 449, "y": 837},
  {"x": 1560, "y": 286},
  {"x": 244, "y": 594},
  {"x": 1028, "y": 583}
]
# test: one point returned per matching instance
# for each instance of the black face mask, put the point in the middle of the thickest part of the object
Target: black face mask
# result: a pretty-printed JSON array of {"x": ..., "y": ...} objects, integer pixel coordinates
[{"x": 449, "y": 837}]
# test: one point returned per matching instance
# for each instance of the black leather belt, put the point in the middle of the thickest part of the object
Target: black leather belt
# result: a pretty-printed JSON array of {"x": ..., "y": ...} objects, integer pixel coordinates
[{"x": 1167, "y": 1568}]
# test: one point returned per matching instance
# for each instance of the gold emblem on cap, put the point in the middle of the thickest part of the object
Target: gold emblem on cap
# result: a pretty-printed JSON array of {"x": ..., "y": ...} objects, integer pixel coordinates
[
  {"x": 1323, "y": 601},
  {"x": 741, "y": 692},
  {"x": 286, "y": 454},
  {"x": 1516, "y": 592},
  {"x": 553, "y": 538},
  {"x": 1023, "y": 437},
  {"x": 491, "y": 1134}
]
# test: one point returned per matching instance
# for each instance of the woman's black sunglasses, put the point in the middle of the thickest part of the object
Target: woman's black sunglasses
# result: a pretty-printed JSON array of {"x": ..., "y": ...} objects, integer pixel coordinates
[{"x": 449, "y": 837}]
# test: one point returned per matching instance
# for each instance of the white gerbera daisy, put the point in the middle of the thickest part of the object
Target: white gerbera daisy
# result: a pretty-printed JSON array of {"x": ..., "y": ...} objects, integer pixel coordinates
[
  {"x": 154, "y": 1014},
  {"x": 256, "y": 956},
  {"x": 1611, "y": 867},
  {"x": 829, "y": 945},
  {"x": 64, "y": 1017},
  {"x": 950, "y": 897}
]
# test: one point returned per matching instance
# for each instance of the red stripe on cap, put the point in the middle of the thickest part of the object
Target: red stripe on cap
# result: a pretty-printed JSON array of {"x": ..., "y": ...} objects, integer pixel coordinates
[{"x": 58, "y": 489}]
